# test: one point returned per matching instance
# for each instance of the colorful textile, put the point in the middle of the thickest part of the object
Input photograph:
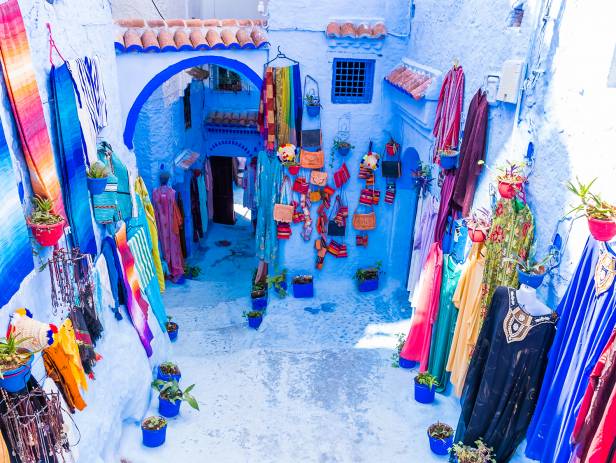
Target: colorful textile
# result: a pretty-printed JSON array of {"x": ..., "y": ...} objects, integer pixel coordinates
[
  {"x": 109, "y": 251},
  {"x": 267, "y": 119},
  {"x": 195, "y": 207},
  {"x": 269, "y": 178},
  {"x": 16, "y": 256},
  {"x": 448, "y": 110},
  {"x": 142, "y": 192},
  {"x": 120, "y": 172},
  {"x": 510, "y": 237},
  {"x": 23, "y": 93},
  {"x": 445, "y": 325},
  {"x": 91, "y": 101},
  {"x": 282, "y": 105},
  {"x": 71, "y": 161},
  {"x": 417, "y": 345},
  {"x": 594, "y": 434},
  {"x": 135, "y": 303},
  {"x": 444, "y": 210},
  {"x": 587, "y": 319},
  {"x": 472, "y": 151},
  {"x": 297, "y": 102},
  {"x": 106, "y": 203},
  {"x": 467, "y": 298},
  {"x": 103, "y": 294},
  {"x": 168, "y": 220},
  {"x": 202, "y": 190},
  {"x": 423, "y": 239}
]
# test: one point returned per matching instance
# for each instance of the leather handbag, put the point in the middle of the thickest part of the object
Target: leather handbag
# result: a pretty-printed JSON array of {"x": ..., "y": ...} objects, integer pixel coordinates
[
  {"x": 311, "y": 159},
  {"x": 318, "y": 178},
  {"x": 283, "y": 212},
  {"x": 364, "y": 222}
]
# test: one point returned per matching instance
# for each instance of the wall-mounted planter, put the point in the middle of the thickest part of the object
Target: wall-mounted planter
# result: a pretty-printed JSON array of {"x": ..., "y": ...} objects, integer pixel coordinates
[
  {"x": 313, "y": 110},
  {"x": 16, "y": 380},
  {"x": 47, "y": 235},
  {"x": 477, "y": 235},
  {"x": 602, "y": 230},
  {"x": 96, "y": 186},
  {"x": 508, "y": 189},
  {"x": 450, "y": 161},
  {"x": 533, "y": 280}
]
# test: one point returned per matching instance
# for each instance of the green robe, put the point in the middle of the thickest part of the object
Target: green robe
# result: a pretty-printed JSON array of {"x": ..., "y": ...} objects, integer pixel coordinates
[{"x": 445, "y": 325}]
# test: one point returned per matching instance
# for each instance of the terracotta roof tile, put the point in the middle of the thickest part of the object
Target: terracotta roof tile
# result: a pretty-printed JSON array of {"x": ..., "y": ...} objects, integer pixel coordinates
[
  {"x": 190, "y": 34},
  {"x": 410, "y": 81},
  {"x": 351, "y": 30}
]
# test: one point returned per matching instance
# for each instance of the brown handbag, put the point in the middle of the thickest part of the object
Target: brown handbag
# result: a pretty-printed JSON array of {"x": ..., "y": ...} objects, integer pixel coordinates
[
  {"x": 283, "y": 212},
  {"x": 364, "y": 221},
  {"x": 318, "y": 178},
  {"x": 311, "y": 159}
]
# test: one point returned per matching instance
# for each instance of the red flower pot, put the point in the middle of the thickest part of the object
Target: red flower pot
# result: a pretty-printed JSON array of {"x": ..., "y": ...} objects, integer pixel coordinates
[
  {"x": 294, "y": 170},
  {"x": 476, "y": 235},
  {"x": 47, "y": 235},
  {"x": 391, "y": 149},
  {"x": 602, "y": 230},
  {"x": 508, "y": 189}
]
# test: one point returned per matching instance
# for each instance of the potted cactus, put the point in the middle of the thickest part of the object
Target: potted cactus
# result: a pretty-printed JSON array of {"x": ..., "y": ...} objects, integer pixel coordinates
[
  {"x": 478, "y": 225},
  {"x": 510, "y": 179},
  {"x": 170, "y": 397},
  {"x": 98, "y": 175},
  {"x": 440, "y": 436},
  {"x": 467, "y": 454},
  {"x": 47, "y": 226},
  {"x": 313, "y": 105},
  {"x": 254, "y": 317},
  {"x": 168, "y": 371},
  {"x": 303, "y": 286},
  {"x": 172, "y": 329},
  {"x": 600, "y": 214},
  {"x": 279, "y": 283},
  {"x": 368, "y": 278},
  {"x": 154, "y": 431},
  {"x": 15, "y": 363},
  {"x": 425, "y": 385},
  {"x": 449, "y": 159}
]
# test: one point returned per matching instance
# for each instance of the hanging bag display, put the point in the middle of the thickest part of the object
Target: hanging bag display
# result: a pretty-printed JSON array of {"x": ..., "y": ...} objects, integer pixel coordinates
[
  {"x": 361, "y": 240},
  {"x": 336, "y": 226},
  {"x": 318, "y": 178},
  {"x": 283, "y": 231},
  {"x": 312, "y": 159},
  {"x": 390, "y": 192},
  {"x": 300, "y": 185},
  {"x": 392, "y": 168},
  {"x": 342, "y": 175},
  {"x": 311, "y": 152},
  {"x": 364, "y": 221},
  {"x": 283, "y": 212}
]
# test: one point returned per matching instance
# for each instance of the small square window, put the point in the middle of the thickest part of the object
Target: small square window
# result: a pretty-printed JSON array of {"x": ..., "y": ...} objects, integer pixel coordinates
[{"x": 352, "y": 80}]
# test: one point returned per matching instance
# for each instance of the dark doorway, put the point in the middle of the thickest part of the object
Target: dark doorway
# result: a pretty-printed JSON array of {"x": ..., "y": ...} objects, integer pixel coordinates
[{"x": 223, "y": 178}]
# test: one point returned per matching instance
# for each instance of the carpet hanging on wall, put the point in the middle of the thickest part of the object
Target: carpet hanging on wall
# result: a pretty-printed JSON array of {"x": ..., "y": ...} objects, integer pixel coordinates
[
  {"x": 71, "y": 160},
  {"x": 25, "y": 100},
  {"x": 16, "y": 256}
]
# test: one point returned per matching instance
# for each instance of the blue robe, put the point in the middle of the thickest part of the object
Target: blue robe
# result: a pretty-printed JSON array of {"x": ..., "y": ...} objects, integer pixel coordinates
[{"x": 586, "y": 322}]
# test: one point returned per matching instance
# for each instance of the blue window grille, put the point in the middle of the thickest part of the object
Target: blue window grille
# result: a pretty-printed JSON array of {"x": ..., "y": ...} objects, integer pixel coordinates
[{"x": 352, "y": 80}]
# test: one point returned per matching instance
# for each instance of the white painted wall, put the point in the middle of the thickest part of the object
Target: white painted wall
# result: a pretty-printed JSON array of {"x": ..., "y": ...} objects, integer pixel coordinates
[{"x": 170, "y": 9}]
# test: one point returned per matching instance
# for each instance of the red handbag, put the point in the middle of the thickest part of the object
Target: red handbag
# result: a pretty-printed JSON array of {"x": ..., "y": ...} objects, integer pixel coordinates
[
  {"x": 361, "y": 240},
  {"x": 342, "y": 175},
  {"x": 301, "y": 185},
  {"x": 283, "y": 231}
]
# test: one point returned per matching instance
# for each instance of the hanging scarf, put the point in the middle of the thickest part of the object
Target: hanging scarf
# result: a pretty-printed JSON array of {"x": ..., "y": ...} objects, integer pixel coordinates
[
  {"x": 71, "y": 161},
  {"x": 23, "y": 93},
  {"x": 267, "y": 120},
  {"x": 449, "y": 109},
  {"x": 135, "y": 303}
]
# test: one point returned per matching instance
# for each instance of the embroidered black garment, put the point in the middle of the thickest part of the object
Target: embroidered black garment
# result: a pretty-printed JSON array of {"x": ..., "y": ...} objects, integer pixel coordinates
[{"x": 505, "y": 374}]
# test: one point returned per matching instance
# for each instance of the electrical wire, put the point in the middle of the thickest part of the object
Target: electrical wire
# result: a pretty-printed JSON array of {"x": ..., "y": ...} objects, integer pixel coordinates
[{"x": 157, "y": 10}]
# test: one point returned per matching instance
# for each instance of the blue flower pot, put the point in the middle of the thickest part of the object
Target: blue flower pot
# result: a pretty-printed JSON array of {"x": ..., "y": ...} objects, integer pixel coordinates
[
  {"x": 302, "y": 291},
  {"x": 404, "y": 363},
  {"x": 344, "y": 151},
  {"x": 173, "y": 335},
  {"x": 162, "y": 376},
  {"x": 167, "y": 408},
  {"x": 440, "y": 446},
  {"x": 283, "y": 287},
  {"x": 424, "y": 394},
  {"x": 260, "y": 303},
  {"x": 368, "y": 285},
  {"x": 313, "y": 110},
  {"x": 449, "y": 162},
  {"x": 255, "y": 322},
  {"x": 17, "y": 379},
  {"x": 96, "y": 186},
  {"x": 530, "y": 279},
  {"x": 154, "y": 438}
]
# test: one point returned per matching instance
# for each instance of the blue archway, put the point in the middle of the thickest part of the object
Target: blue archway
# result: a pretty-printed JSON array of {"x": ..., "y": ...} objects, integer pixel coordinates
[{"x": 167, "y": 73}]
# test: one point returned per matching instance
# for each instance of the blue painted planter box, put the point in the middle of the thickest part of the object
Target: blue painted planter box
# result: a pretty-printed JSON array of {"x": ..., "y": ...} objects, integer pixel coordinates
[
  {"x": 369, "y": 285},
  {"x": 305, "y": 290},
  {"x": 440, "y": 446}
]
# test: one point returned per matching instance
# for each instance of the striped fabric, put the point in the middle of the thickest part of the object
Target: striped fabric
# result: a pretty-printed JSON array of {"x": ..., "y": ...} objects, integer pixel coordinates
[
  {"x": 23, "y": 93},
  {"x": 91, "y": 100},
  {"x": 142, "y": 193},
  {"x": 449, "y": 110},
  {"x": 138, "y": 245},
  {"x": 267, "y": 120}
]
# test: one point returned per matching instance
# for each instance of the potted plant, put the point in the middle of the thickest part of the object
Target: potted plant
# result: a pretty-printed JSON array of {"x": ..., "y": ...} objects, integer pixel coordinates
[
  {"x": 98, "y": 175},
  {"x": 47, "y": 226},
  {"x": 600, "y": 214},
  {"x": 172, "y": 329},
  {"x": 425, "y": 385},
  {"x": 449, "y": 159},
  {"x": 192, "y": 271},
  {"x": 170, "y": 397},
  {"x": 154, "y": 431},
  {"x": 510, "y": 179},
  {"x": 279, "y": 283},
  {"x": 422, "y": 177},
  {"x": 530, "y": 272},
  {"x": 313, "y": 105},
  {"x": 168, "y": 371},
  {"x": 342, "y": 146},
  {"x": 259, "y": 299},
  {"x": 478, "y": 225},
  {"x": 368, "y": 278},
  {"x": 467, "y": 454},
  {"x": 254, "y": 317},
  {"x": 440, "y": 436},
  {"x": 392, "y": 147},
  {"x": 395, "y": 357},
  {"x": 293, "y": 167},
  {"x": 303, "y": 286},
  {"x": 15, "y": 363}
]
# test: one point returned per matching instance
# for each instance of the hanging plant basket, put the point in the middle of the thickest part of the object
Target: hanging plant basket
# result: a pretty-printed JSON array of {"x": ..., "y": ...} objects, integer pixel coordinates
[
  {"x": 47, "y": 235},
  {"x": 602, "y": 230},
  {"x": 16, "y": 379},
  {"x": 534, "y": 280},
  {"x": 508, "y": 188},
  {"x": 313, "y": 110},
  {"x": 293, "y": 169},
  {"x": 449, "y": 159},
  {"x": 96, "y": 186}
]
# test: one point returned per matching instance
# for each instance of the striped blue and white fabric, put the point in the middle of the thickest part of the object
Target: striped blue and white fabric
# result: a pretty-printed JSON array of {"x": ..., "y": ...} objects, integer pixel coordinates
[{"x": 91, "y": 101}]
